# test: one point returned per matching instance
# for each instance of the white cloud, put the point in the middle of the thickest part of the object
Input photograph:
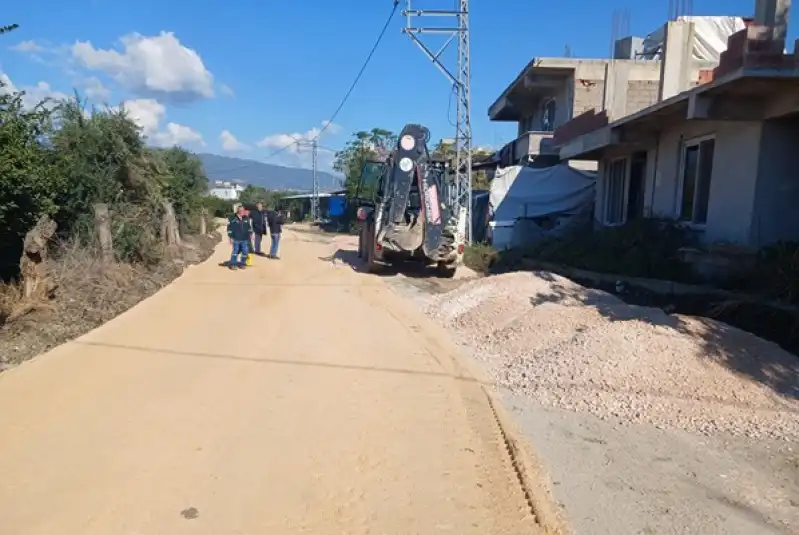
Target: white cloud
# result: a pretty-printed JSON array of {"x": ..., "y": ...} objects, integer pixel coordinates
[
  {"x": 177, "y": 134},
  {"x": 295, "y": 149},
  {"x": 297, "y": 142},
  {"x": 95, "y": 89},
  {"x": 333, "y": 128},
  {"x": 230, "y": 143},
  {"x": 34, "y": 94},
  {"x": 226, "y": 90},
  {"x": 28, "y": 46},
  {"x": 148, "y": 113},
  {"x": 7, "y": 85},
  {"x": 158, "y": 65}
]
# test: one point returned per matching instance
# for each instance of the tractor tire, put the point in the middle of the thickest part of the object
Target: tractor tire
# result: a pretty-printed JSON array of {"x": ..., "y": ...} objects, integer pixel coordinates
[{"x": 446, "y": 271}]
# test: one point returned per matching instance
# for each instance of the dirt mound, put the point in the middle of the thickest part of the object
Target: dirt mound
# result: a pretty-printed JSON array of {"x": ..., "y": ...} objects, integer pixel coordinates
[{"x": 546, "y": 337}]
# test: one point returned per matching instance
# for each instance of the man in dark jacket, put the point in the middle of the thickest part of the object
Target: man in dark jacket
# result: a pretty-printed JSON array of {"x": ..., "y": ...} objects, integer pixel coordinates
[
  {"x": 258, "y": 218},
  {"x": 239, "y": 231},
  {"x": 275, "y": 222}
]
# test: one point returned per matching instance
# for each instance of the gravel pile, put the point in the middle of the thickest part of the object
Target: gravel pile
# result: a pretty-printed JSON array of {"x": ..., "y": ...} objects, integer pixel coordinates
[{"x": 548, "y": 338}]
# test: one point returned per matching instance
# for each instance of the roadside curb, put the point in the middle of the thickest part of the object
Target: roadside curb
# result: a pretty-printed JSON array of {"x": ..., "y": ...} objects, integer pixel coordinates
[{"x": 533, "y": 479}]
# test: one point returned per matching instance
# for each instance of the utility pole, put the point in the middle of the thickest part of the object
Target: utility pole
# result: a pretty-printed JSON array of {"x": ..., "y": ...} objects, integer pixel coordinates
[
  {"x": 461, "y": 191},
  {"x": 315, "y": 191}
]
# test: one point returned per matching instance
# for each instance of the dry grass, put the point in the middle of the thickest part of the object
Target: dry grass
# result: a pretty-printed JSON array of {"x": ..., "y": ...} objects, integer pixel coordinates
[{"x": 87, "y": 294}]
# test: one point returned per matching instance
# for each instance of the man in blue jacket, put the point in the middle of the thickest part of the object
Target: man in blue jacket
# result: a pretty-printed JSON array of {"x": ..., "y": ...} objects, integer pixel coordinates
[{"x": 239, "y": 231}]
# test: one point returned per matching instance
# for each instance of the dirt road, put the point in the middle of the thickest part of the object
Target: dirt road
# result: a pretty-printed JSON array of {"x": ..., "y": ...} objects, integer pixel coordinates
[{"x": 295, "y": 397}]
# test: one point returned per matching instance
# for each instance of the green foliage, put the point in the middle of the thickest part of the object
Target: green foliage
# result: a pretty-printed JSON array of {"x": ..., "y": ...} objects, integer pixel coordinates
[
  {"x": 446, "y": 151},
  {"x": 364, "y": 146},
  {"x": 60, "y": 158},
  {"x": 217, "y": 207},
  {"x": 9, "y": 28},
  {"x": 479, "y": 257},
  {"x": 29, "y": 182},
  {"x": 646, "y": 248},
  {"x": 255, "y": 194}
]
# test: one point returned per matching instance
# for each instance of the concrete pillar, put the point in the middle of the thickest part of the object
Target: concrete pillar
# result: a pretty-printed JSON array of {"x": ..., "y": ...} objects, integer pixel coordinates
[
  {"x": 677, "y": 60},
  {"x": 774, "y": 13},
  {"x": 617, "y": 81}
]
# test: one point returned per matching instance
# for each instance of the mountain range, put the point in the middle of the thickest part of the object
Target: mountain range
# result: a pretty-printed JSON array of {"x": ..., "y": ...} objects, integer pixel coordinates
[{"x": 266, "y": 175}]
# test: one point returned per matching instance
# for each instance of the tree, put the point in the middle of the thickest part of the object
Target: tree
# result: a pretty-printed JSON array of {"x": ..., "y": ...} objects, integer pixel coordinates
[
  {"x": 9, "y": 28},
  {"x": 446, "y": 151},
  {"x": 185, "y": 182},
  {"x": 365, "y": 145},
  {"x": 29, "y": 182}
]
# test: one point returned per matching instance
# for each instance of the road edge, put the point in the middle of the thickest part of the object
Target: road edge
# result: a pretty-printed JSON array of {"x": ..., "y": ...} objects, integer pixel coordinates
[{"x": 533, "y": 479}]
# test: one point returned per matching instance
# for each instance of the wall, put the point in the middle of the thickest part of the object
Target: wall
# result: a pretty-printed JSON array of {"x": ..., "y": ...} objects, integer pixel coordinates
[
  {"x": 776, "y": 216},
  {"x": 562, "y": 98},
  {"x": 641, "y": 94},
  {"x": 732, "y": 186}
]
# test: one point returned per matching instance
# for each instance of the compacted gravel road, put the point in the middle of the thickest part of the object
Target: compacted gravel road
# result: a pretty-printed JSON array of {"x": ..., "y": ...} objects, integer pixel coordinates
[{"x": 294, "y": 397}]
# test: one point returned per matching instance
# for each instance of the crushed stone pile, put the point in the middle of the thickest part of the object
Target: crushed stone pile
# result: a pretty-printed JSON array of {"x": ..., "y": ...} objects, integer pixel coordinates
[{"x": 546, "y": 337}]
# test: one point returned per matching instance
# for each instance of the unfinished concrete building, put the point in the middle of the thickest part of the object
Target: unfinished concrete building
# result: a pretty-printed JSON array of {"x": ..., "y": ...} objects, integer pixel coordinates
[
  {"x": 549, "y": 92},
  {"x": 719, "y": 157}
]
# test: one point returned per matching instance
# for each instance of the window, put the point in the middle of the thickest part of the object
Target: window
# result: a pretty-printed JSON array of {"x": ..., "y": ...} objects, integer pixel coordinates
[
  {"x": 548, "y": 116},
  {"x": 697, "y": 168},
  {"x": 615, "y": 191},
  {"x": 369, "y": 182}
]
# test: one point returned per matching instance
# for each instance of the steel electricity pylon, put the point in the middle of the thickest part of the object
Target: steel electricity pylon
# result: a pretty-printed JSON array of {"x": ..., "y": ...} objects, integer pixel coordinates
[{"x": 457, "y": 30}]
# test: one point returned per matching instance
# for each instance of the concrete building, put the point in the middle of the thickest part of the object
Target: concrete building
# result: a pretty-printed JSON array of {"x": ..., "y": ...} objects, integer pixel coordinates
[
  {"x": 549, "y": 92},
  {"x": 226, "y": 190},
  {"x": 719, "y": 157}
]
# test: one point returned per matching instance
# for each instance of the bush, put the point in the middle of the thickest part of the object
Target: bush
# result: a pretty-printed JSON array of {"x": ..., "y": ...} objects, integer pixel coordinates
[
  {"x": 479, "y": 257},
  {"x": 646, "y": 248},
  {"x": 61, "y": 159}
]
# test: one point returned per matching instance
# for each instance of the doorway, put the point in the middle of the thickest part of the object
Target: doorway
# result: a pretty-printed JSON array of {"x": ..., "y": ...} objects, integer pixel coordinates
[{"x": 636, "y": 186}]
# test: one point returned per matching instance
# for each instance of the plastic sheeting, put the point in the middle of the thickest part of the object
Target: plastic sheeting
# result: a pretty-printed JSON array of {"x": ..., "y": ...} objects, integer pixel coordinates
[
  {"x": 710, "y": 37},
  {"x": 532, "y": 203}
]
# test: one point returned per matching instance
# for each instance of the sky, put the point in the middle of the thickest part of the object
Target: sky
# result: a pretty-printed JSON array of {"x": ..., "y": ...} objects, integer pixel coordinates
[{"x": 240, "y": 77}]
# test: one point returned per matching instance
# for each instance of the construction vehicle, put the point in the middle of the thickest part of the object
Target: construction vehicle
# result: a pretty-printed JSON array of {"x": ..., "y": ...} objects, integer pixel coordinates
[{"x": 403, "y": 205}]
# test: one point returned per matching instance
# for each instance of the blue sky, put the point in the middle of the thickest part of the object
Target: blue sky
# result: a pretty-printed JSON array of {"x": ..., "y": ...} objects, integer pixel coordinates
[{"x": 258, "y": 70}]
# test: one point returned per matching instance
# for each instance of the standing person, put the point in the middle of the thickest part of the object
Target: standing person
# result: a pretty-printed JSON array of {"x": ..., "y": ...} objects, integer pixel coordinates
[
  {"x": 275, "y": 222},
  {"x": 258, "y": 218},
  {"x": 239, "y": 231}
]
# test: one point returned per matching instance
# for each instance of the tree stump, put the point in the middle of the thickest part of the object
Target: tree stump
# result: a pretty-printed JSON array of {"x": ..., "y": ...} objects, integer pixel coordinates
[
  {"x": 32, "y": 263},
  {"x": 170, "y": 231},
  {"x": 102, "y": 224}
]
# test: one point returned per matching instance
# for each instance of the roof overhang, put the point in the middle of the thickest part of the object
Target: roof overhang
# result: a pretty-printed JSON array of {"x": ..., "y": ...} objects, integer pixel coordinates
[
  {"x": 744, "y": 95},
  {"x": 538, "y": 78}
]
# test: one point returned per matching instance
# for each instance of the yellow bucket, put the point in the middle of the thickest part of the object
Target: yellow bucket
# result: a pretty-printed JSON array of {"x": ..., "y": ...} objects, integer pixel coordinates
[{"x": 248, "y": 261}]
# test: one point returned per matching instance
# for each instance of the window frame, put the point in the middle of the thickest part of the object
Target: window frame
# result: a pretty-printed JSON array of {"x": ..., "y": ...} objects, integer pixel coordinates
[
  {"x": 624, "y": 188},
  {"x": 684, "y": 146}
]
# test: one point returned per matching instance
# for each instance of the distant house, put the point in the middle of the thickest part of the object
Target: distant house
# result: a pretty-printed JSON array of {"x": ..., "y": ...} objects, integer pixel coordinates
[
  {"x": 227, "y": 190},
  {"x": 720, "y": 157}
]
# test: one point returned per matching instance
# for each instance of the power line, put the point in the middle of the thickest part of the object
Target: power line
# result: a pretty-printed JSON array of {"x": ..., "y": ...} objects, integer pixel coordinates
[
  {"x": 343, "y": 101},
  {"x": 352, "y": 86}
]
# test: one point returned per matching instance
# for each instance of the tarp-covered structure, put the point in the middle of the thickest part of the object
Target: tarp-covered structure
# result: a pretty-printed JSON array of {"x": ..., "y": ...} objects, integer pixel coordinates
[
  {"x": 710, "y": 37},
  {"x": 529, "y": 204}
]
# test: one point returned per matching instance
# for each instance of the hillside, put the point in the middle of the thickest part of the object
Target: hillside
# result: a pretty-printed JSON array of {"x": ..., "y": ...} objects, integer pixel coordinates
[{"x": 266, "y": 175}]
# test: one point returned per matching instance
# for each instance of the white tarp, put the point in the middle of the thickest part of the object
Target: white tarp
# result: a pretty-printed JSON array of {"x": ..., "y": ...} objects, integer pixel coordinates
[
  {"x": 529, "y": 203},
  {"x": 710, "y": 37}
]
